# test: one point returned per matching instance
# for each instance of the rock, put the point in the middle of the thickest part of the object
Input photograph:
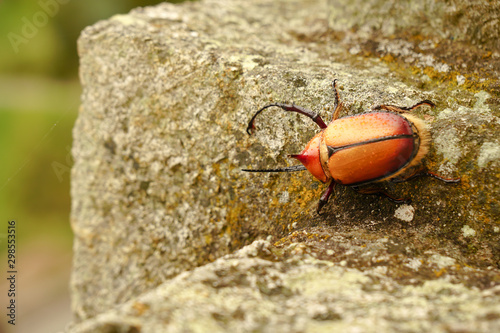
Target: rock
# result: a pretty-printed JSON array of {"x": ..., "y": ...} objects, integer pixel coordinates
[
  {"x": 265, "y": 289},
  {"x": 471, "y": 21},
  {"x": 157, "y": 186}
]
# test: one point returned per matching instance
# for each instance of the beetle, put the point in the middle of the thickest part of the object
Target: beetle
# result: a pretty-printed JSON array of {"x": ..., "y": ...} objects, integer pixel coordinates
[{"x": 385, "y": 144}]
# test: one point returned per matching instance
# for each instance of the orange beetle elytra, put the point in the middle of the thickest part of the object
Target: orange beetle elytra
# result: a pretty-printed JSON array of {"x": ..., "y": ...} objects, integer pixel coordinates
[{"x": 386, "y": 144}]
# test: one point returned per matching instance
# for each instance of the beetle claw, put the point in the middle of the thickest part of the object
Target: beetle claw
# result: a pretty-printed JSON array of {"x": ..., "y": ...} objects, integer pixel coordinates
[
  {"x": 325, "y": 196},
  {"x": 250, "y": 128},
  {"x": 321, "y": 203}
]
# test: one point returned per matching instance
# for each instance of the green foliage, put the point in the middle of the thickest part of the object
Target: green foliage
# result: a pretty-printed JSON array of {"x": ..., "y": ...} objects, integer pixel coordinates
[
  {"x": 39, "y": 37},
  {"x": 35, "y": 140}
]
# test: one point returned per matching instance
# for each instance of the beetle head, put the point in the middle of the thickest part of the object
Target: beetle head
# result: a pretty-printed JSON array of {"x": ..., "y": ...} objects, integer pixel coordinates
[{"x": 310, "y": 158}]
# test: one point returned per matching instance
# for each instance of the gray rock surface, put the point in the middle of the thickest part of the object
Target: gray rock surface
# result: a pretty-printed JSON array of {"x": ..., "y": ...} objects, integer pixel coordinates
[
  {"x": 258, "y": 289},
  {"x": 157, "y": 188},
  {"x": 472, "y": 21}
]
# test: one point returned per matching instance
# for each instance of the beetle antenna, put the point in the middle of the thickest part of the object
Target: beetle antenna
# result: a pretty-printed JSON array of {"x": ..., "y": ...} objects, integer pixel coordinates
[
  {"x": 287, "y": 169},
  {"x": 251, "y": 125},
  {"x": 289, "y": 108}
]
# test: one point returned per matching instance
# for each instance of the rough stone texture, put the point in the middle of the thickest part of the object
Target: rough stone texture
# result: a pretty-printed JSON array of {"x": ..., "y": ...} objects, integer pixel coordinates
[
  {"x": 263, "y": 289},
  {"x": 157, "y": 188},
  {"x": 471, "y": 21}
]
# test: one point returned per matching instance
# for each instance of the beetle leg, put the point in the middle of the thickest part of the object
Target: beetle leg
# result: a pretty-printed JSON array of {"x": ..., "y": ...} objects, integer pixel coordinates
[
  {"x": 338, "y": 104},
  {"x": 391, "y": 108},
  {"x": 291, "y": 108},
  {"x": 324, "y": 197},
  {"x": 293, "y": 168},
  {"x": 430, "y": 174},
  {"x": 421, "y": 103},
  {"x": 381, "y": 192},
  {"x": 403, "y": 109},
  {"x": 446, "y": 180}
]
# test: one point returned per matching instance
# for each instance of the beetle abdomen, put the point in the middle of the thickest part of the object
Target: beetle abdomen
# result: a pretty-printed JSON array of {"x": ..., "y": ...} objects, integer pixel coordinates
[
  {"x": 369, "y": 147},
  {"x": 370, "y": 161}
]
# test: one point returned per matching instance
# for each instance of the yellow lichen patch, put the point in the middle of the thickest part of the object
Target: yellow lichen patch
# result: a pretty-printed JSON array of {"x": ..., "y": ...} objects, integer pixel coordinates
[
  {"x": 274, "y": 202},
  {"x": 388, "y": 58},
  {"x": 234, "y": 213},
  {"x": 234, "y": 229},
  {"x": 441, "y": 77},
  {"x": 300, "y": 193},
  {"x": 140, "y": 308},
  {"x": 208, "y": 239},
  {"x": 216, "y": 169},
  {"x": 417, "y": 37},
  {"x": 440, "y": 272},
  {"x": 487, "y": 55},
  {"x": 473, "y": 82}
]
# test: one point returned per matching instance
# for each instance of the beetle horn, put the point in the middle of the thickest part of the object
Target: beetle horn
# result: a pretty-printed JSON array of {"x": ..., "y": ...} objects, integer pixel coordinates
[{"x": 286, "y": 169}]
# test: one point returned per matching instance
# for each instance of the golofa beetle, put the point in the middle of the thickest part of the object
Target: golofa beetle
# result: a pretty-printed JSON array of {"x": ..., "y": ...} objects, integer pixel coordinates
[{"x": 385, "y": 144}]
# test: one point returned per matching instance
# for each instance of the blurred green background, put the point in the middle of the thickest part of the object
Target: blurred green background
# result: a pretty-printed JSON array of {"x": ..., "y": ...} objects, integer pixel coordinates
[{"x": 39, "y": 100}]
